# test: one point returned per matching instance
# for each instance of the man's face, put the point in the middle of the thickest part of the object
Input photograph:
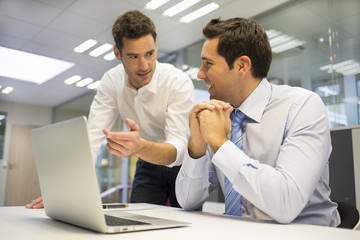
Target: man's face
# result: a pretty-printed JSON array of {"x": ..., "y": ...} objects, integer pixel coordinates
[
  {"x": 139, "y": 59},
  {"x": 215, "y": 72}
]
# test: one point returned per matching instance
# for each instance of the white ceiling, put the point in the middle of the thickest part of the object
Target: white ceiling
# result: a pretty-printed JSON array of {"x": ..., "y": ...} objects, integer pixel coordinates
[{"x": 54, "y": 27}]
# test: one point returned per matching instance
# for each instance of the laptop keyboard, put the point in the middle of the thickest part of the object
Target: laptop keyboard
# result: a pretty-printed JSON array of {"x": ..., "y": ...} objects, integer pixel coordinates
[{"x": 117, "y": 221}]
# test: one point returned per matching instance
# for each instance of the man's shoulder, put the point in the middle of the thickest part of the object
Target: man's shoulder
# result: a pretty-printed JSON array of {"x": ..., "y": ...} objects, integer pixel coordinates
[
  {"x": 292, "y": 91},
  {"x": 294, "y": 95}
]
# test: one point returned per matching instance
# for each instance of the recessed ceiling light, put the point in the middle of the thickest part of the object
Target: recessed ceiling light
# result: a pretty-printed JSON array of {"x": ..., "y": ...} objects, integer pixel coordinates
[
  {"x": 272, "y": 33},
  {"x": 181, "y": 6},
  {"x": 30, "y": 67},
  {"x": 85, "y": 46},
  {"x": 84, "y": 82},
  {"x": 100, "y": 50},
  {"x": 281, "y": 42},
  {"x": 72, "y": 80},
  {"x": 349, "y": 67},
  {"x": 110, "y": 56},
  {"x": 293, "y": 43},
  {"x": 199, "y": 13},
  {"x": 154, "y": 4},
  {"x": 94, "y": 85},
  {"x": 7, "y": 90}
]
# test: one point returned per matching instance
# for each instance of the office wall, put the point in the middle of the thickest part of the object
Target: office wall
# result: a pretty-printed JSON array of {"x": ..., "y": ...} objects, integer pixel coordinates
[
  {"x": 19, "y": 114},
  {"x": 74, "y": 108}
]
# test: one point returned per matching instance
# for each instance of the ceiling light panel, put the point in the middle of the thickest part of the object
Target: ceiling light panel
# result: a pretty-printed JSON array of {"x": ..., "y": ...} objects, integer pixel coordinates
[
  {"x": 94, "y": 85},
  {"x": 281, "y": 42},
  {"x": 199, "y": 13},
  {"x": 181, "y": 6},
  {"x": 85, "y": 46},
  {"x": 72, "y": 80},
  {"x": 34, "y": 68},
  {"x": 84, "y": 82},
  {"x": 110, "y": 56},
  {"x": 7, "y": 90},
  {"x": 154, "y": 4},
  {"x": 100, "y": 50},
  {"x": 288, "y": 45},
  {"x": 347, "y": 68}
]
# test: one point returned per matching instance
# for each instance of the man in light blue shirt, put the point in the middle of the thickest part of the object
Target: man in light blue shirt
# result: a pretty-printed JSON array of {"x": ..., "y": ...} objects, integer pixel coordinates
[{"x": 281, "y": 171}]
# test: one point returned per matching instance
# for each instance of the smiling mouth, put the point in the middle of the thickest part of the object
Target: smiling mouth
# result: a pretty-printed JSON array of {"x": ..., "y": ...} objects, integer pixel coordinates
[{"x": 143, "y": 74}]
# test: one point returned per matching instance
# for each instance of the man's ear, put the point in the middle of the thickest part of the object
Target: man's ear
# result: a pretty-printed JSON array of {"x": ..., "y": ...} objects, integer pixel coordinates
[
  {"x": 242, "y": 64},
  {"x": 117, "y": 53}
]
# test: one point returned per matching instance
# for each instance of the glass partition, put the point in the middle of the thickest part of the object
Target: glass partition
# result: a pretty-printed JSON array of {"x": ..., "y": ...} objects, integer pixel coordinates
[
  {"x": 316, "y": 45},
  {"x": 321, "y": 52}
]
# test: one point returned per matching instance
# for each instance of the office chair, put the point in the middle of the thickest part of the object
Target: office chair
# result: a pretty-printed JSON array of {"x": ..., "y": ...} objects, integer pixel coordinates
[{"x": 349, "y": 216}]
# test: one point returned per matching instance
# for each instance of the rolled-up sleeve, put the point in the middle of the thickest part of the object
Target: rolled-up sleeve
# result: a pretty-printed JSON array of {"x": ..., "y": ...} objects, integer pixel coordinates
[{"x": 177, "y": 118}]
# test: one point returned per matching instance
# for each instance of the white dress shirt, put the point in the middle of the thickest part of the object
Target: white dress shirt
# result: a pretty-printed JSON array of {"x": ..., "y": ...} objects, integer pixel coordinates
[
  {"x": 282, "y": 169},
  {"x": 160, "y": 108}
]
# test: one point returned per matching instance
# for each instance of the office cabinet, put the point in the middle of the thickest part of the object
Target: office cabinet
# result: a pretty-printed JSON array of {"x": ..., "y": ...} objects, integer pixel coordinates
[{"x": 344, "y": 165}]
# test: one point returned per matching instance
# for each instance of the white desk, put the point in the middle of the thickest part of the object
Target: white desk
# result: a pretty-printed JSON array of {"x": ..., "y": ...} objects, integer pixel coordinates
[{"x": 19, "y": 223}]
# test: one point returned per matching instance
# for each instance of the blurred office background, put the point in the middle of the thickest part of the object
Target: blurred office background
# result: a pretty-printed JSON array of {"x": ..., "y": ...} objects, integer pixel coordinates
[{"x": 316, "y": 45}]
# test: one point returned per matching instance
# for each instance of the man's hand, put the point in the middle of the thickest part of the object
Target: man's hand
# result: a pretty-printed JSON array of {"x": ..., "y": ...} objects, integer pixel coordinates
[
  {"x": 129, "y": 143},
  {"x": 215, "y": 126},
  {"x": 197, "y": 144},
  {"x": 38, "y": 203},
  {"x": 124, "y": 144}
]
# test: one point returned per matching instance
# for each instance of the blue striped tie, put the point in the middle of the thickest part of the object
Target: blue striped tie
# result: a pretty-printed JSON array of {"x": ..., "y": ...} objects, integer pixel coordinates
[{"x": 233, "y": 198}]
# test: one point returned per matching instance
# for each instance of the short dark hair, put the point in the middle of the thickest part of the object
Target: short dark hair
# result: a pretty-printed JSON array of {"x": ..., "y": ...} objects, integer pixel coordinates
[
  {"x": 241, "y": 37},
  {"x": 132, "y": 24}
]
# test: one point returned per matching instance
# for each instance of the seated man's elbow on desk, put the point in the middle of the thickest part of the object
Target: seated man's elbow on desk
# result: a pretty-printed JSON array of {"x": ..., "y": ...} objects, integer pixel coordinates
[{"x": 186, "y": 199}]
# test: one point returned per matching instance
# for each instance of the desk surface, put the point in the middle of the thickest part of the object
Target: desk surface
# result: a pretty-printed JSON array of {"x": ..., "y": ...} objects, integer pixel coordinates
[{"x": 21, "y": 223}]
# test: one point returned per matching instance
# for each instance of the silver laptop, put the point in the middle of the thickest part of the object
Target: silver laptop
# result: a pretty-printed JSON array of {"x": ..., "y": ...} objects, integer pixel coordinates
[{"x": 69, "y": 185}]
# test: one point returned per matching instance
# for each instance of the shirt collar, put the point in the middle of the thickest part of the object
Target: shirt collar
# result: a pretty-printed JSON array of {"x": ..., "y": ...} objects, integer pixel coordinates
[{"x": 254, "y": 105}]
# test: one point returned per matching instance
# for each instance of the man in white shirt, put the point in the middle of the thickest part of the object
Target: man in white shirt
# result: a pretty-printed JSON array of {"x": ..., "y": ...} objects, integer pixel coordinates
[
  {"x": 154, "y": 100},
  {"x": 280, "y": 172}
]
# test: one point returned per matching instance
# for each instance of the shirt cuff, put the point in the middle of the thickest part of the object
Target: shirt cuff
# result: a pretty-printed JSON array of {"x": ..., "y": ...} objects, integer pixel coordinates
[
  {"x": 179, "y": 153},
  {"x": 229, "y": 159}
]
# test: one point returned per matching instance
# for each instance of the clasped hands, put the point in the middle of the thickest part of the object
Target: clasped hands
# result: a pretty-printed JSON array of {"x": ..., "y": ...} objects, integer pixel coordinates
[{"x": 210, "y": 125}]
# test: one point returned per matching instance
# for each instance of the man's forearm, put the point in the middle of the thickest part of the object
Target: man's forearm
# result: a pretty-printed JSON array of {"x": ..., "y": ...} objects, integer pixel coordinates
[
  {"x": 157, "y": 153},
  {"x": 196, "y": 149}
]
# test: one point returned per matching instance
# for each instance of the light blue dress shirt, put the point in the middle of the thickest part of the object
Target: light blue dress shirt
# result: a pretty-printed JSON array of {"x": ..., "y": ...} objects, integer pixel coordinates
[{"x": 282, "y": 170}]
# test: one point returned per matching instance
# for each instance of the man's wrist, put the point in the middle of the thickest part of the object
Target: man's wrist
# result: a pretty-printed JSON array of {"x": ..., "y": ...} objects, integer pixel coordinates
[
  {"x": 216, "y": 143},
  {"x": 141, "y": 148}
]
